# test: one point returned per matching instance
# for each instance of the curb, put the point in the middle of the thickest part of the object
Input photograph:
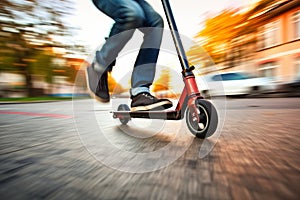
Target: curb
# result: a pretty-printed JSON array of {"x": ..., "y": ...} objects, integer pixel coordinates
[{"x": 28, "y": 102}]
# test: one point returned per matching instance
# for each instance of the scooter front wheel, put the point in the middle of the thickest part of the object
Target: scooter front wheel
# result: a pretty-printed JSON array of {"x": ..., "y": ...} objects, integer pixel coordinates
[{"x": 207, "y": 121}]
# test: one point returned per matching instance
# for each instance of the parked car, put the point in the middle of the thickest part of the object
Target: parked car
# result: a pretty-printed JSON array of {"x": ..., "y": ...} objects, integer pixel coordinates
[
  {"x": 235, "y": 83},
  {"x": 290, "y": 88}
]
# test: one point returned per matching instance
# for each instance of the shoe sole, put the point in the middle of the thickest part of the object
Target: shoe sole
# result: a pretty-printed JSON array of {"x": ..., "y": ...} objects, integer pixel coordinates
[
  {"x": 162, "y": 104},
  {"x": 91, "y": 93}
]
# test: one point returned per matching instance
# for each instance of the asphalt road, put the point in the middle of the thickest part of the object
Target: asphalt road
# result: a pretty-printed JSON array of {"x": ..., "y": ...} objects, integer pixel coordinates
[{"x": 66, "y": 150}]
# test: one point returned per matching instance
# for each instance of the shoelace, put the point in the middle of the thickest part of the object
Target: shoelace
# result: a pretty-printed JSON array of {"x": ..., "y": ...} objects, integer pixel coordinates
[{"x": 148, "y": 95}]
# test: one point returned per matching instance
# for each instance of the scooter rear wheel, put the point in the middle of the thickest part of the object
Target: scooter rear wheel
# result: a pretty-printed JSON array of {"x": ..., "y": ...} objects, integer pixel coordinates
[
  {"x": 124, "y": 107},
  {"x": 208, "y": 119}
]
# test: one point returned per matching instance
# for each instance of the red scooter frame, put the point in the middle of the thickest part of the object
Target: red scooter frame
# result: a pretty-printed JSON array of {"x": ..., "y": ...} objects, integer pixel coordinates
[{"x": 201, "y": 115}]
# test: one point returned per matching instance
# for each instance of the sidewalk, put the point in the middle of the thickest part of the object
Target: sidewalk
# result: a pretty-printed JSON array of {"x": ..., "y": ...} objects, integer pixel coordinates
[{"x": 4, "y": 101}]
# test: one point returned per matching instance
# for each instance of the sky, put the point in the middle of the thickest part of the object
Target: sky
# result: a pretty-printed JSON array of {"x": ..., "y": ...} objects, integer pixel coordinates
[{"x": 189, "y": 14}]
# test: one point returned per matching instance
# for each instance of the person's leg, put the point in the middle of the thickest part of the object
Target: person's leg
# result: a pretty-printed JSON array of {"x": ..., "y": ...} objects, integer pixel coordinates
[
  {"x": 145, "y": 65},
  {"x": 128, "y": 16}
]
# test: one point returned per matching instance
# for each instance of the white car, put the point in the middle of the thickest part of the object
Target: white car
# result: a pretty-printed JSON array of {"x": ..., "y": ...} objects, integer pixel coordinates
[{"x": 234, "y": 83}]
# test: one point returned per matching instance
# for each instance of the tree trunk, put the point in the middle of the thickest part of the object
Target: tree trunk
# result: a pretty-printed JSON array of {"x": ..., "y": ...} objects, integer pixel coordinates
[{"x": 29, "y": 89}]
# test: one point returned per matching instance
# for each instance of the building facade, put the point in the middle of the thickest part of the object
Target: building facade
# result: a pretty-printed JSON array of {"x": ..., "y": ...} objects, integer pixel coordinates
[{"x": 278, "y": 42}]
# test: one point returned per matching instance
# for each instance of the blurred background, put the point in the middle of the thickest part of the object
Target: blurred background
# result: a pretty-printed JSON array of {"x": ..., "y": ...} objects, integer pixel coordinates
[{"x": 254, "y": 46}]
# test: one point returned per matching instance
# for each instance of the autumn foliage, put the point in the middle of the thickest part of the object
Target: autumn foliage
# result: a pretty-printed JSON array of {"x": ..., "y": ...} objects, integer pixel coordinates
[
  {"x": 162, "y": 83},
  {"x": 217, "y": 36},
  {"x": 113, "y": 86},
  {"x": 229, "y": 35}
]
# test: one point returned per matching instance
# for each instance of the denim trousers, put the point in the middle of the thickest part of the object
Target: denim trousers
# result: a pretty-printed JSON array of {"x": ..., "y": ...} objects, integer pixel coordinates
[{"x": 128, "y": 16}]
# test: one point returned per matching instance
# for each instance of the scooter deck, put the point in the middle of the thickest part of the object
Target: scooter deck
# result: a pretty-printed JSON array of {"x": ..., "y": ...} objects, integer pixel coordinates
[{"x": 169, "y": 115}]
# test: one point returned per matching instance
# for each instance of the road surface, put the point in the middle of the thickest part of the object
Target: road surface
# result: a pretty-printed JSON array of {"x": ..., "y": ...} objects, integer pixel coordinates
[{"x": 62, "y": 150}]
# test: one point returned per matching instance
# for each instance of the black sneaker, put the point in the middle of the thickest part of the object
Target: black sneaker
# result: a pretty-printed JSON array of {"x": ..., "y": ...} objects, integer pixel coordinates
[
  {"x": 145, "y": 101},
  {"x": 97, "y": 84}
]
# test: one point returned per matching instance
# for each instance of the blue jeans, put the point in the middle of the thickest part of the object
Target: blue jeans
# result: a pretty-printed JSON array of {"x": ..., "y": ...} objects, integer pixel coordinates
[{"x": 130, "y": 15}]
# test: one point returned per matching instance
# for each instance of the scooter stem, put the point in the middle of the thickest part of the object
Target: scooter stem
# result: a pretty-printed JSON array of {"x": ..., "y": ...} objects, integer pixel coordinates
[
  {"x": 176, "y": 37},
  {"x": 189, "y": 78}
]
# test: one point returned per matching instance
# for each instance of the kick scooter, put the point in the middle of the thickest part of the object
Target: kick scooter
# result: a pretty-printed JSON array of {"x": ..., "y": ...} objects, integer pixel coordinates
[{"x": 201, "y": 115}]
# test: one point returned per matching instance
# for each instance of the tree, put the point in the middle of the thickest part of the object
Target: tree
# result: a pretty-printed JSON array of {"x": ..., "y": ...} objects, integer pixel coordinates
[
  {"x": 217, "y": 36},
  {"x": 113, "y": 86},
  {"x": 30, "y": 29},
  {"x": 230, "y": 36},
  {"x": 162, "y": 82}
]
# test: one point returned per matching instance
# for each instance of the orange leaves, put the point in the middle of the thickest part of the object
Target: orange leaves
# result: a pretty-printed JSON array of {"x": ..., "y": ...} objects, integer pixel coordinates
[
  {"x": 217, "y": 36},
  {"x": 162, "y": 82},
  {"x": 113, "y": 86}
]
